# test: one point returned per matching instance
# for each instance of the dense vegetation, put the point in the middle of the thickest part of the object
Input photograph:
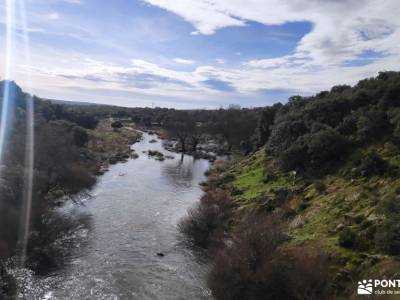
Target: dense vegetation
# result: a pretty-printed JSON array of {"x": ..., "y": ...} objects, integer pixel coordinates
[
  {"x": 63, "y": 166},
  {"x": 325, "y": 170},
  {"x": 59, "y": 168},
  {"x": 231, "y": 128}
]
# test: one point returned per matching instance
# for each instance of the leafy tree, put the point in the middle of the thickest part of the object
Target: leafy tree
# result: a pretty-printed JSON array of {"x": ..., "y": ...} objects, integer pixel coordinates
[{"x": 265, "y": 123}]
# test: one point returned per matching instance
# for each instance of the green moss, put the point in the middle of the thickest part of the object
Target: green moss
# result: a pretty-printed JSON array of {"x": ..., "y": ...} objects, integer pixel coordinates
[{"x": 250, "y": 177}]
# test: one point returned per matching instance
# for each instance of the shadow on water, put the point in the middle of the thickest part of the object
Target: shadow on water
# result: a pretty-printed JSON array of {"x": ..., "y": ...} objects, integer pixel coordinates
[
  {"x": 49, "y": 251},
  {"x": 59, "y": 232}
]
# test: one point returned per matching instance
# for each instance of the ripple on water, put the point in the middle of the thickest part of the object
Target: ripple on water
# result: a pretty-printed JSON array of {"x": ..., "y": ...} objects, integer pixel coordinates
[{"x": 132, "y": 218}]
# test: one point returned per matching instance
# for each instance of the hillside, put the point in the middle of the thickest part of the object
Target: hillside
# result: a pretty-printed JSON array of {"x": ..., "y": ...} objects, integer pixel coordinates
[
  {"x": 319, "y": 197},
  {"x": 317, "y": 214}
]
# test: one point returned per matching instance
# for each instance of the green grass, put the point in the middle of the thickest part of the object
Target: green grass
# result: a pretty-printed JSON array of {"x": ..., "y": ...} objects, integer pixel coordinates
[
  {"x": 346, "y": 201},
  {"x": 250, "y": 174}
]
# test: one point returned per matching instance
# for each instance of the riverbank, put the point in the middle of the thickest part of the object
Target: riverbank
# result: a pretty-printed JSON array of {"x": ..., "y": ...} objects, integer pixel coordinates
[{"x": 107, "y": 145}]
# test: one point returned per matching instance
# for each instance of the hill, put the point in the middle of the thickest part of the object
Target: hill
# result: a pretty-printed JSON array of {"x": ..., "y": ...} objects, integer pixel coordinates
[{"x": 316, "y": 207}]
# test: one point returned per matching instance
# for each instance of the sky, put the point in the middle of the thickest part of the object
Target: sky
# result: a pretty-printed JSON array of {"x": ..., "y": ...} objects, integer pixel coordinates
[{"x": 195, "y": 53}]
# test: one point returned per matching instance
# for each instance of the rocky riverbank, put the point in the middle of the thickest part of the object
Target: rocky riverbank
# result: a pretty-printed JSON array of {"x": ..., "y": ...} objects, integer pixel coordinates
[{"x": 108, "y": 145}]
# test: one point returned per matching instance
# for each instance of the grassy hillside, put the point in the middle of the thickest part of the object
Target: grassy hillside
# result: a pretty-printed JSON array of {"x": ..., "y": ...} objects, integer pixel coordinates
[
  {"x": 339, "y": 214},
  {"x": 316, "y": 207}
]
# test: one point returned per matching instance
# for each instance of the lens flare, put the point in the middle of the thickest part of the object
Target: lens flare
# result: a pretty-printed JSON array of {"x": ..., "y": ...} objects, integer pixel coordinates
[{"x": 29, "y": 143}]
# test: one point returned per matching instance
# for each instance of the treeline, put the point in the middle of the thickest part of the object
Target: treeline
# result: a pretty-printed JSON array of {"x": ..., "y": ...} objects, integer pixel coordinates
[
  {"x": 232, "y": 128},
  {"x": 315, "y": 134},
  {"x": 61, "y": 168}
]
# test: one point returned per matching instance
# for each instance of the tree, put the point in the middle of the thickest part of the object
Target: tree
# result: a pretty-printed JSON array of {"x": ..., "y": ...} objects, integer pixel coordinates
[
  {"x": 80, "y": 136},
  {"x": 234, "y": 125},
  {"x": 265, "y": 123},
  {"x": 116, "y": 125},
  {"x": 180, "y": 125}
]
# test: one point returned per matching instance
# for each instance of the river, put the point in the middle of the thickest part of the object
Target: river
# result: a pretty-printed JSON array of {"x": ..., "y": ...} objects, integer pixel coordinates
[{"x": 133, "y": 215}]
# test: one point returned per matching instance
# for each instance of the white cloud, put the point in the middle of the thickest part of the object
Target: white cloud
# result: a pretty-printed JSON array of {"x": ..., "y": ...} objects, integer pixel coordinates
[
  {"x": 269, "y": 63},
  {"x": 220, "y": 61},
  {"x": 79, "y": 2},
  {"x": 183, "y": 61},
  {"x": 342, "y": 29},
  {"x": 203, "y": 14},
  {"x": 53, "y": 16}
]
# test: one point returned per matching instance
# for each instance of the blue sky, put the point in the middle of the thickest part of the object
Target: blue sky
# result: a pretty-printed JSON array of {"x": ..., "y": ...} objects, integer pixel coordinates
[{"x": 196, "y": 53}]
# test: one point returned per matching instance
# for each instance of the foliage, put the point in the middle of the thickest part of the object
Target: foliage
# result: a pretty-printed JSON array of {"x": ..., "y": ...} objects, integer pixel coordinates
[
  {"x": 60, "y": 167},
  {"x": 116, "y": 125},
  {"x": 253, "y": 267},
  {"x": 371, "y": 164},
  {"x": 387, "y": 236},
  {"x": 208, "y": 218},
  {"x": 315, "y": 133},
  {"x": 347, "y": 237},
  {"x": 7, "y": 284}
]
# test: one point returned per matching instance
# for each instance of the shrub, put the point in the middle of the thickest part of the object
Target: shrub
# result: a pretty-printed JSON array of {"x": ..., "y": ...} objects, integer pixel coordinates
[
  {"x": 347, "y": 237},
  {"x": 371, "y": 124},
  {"x": 387, "y": 237},
  {"x": 268, "y": 178},
  {"x": 207, "y": 218},
  {"x": 116, "y": 125},
  {"x": 7, "y": 284},
  {"x": 294, "y": 157},
  {"x": 252, "y": 267},
  {"x": 348, "y": 125},
  {"x": 325, "y": 148},
  {"x": 80, "y": 136},
  {"x": 372, "y": 164},
  {"x": 320, "y": 186},
  {"x": 51, "y": 240}
]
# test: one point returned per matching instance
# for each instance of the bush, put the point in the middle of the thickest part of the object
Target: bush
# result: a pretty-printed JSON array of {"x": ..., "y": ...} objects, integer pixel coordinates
[
  {"x": 348, "y": 125},
  {"x": 294, "y": 157},
  {"x": 7, "y": 284},
  {"x": 252, "y": 267},
  {"x": 347, "y": 238},
  {"x": 371, "y": 124},
  {"x": 372, "y": 164},
  {"x": 387, "y": 237},
  {"x": 208, "y": 218},
  {"x": 320, "y": 186},
  {"x": 116, "y": 125},
  {"x": 52, "y": 239},
  {"x": 325, "y": 149},
  {"x": 80, "y": 136}
]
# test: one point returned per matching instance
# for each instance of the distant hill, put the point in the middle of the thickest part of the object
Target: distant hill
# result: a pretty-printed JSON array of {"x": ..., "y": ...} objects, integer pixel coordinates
[{"x": 75, "y": 103}]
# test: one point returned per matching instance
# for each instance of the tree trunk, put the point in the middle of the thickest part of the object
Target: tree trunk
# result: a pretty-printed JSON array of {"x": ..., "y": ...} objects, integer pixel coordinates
[
  {"x": 195, "y": 142},
  {"x": 183, "y": 146}
]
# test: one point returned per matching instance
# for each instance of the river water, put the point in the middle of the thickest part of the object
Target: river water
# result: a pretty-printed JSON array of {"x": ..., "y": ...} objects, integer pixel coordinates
[{"x": 133, "y": 216}]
